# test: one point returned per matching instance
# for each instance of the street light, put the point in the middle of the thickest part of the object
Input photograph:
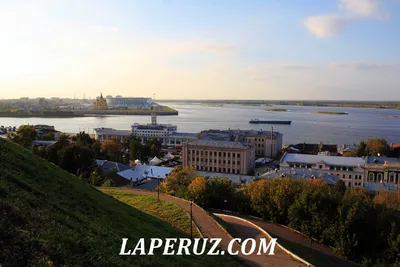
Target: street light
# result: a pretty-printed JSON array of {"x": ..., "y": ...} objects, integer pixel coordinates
[
  {"x": 191, "y": 219},
  {"x": 158, "y": 189}
]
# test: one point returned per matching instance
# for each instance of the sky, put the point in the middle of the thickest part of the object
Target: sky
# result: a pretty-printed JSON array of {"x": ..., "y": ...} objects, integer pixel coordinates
[{"x": 201, "y": 49}]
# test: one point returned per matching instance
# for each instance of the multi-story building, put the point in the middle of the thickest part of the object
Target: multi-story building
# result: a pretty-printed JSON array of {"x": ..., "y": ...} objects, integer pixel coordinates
[
  {"x": 219, "y": 156},
  {"x": 348, "y": 169},
  {"x": 266, "y": 143},
  {"x": 383, "y": 170},
  {"x": 166, "y": 133},
  {"x": 373, "y": 173},
  {"x": 130, "y": 102}
]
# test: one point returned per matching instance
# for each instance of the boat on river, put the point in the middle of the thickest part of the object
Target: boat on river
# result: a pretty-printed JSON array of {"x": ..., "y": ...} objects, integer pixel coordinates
[{"x": 257, "y": 121}]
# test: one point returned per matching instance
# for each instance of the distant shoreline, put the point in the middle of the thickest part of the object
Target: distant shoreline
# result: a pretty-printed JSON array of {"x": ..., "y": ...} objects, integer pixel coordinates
[
  {"x": 85, "y": 113},
  {"x": 349, "y": 104}
]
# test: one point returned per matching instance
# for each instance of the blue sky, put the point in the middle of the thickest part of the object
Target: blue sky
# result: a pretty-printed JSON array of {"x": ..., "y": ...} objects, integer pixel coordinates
[{"x": 201, "y": 49}]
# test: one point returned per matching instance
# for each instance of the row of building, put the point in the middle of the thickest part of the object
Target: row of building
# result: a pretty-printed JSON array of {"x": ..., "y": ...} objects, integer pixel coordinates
[
  {"x": 222, "y": 151},
  {"x": 365, "y": 172}
]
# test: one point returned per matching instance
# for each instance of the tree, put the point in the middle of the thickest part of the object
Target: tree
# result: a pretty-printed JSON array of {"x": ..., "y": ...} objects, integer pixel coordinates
[
  {"x": 272, "y": 198},
  {"x": 361, "y": 149},
  {"x": 24, "y": 136},
  {"x": 155, "y": 146},
  {"x": 339, "y": 189},
  {"x": 83, "y": 139},
  {"x": 178, "y": 181},
  {"x": 221, "y": 192},
  {"x": 133, "y": 144},
  {"x": 311, "y": 213},
  {"x": 355, "y": 217},
  {"x": 376, "y": 147},
  {"x": 197, "y": 191},
  {"x": 113, "y": 150},
  {"x": 76, "y": 159}
]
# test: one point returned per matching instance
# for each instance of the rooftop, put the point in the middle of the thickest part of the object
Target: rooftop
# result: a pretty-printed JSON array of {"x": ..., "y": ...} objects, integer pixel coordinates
[
  {"x": 381, "y": 160},
  {"x": 303, "y": 174},
  {"x": 184, "y": 134},
  {"x": 140, "y": 172},
  {"x": 235, "y": 178},
  {"x": 109, "y": 165},
  {"x": 219, "y": 144},
  {"x": 109, "y": 131},
  {"x": 328, "y": 160}
]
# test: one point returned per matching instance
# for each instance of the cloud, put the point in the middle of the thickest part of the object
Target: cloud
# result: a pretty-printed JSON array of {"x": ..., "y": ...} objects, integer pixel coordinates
[
  {"x": 365, "y": 8},
  {"x": 323, "y": 26},
  {"x": 326, "y": 25},
  {"x": 364, "y": 66}
]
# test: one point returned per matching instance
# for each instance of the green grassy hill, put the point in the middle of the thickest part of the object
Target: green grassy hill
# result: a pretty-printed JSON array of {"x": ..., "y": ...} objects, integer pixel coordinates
[{"x": 49, "y": 217}]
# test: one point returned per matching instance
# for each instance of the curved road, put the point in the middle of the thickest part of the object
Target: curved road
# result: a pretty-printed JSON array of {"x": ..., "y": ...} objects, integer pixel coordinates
[{"x": 210, "y": 229}]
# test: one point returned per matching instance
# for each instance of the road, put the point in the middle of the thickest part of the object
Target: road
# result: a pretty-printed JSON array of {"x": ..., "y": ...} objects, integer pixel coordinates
[{"x": 210, "y": 229}]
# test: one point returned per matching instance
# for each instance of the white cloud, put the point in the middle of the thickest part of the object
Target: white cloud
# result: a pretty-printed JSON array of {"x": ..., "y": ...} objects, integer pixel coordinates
[
  {"x": 365, "y": 8},
  {"x": 323, "y": 26},
  {"x": 326, "y": 25}
]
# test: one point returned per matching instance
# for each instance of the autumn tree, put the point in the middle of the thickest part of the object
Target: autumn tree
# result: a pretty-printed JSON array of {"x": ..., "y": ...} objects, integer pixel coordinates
[
  {"x": 113, "y": 149},
  {"x": 376, "y": 147},
  {"x": 178, "y": 180},
  {"x": 24, "y": 136},
  {"x": 197, "y": 191}
]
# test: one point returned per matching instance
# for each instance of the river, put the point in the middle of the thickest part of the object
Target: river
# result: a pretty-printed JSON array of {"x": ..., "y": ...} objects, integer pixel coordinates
[{"x": 360, "y": 123}]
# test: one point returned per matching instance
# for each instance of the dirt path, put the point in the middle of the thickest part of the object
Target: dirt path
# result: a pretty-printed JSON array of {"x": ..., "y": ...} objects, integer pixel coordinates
[{"x": 210, "y": 229}]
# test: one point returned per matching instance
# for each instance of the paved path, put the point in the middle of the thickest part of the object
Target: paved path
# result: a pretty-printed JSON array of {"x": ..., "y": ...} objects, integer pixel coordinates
[
  {"x": 320, "y": 250},
  {"x": 210, "y": 229},
  {"x": 243, "y": 230}
]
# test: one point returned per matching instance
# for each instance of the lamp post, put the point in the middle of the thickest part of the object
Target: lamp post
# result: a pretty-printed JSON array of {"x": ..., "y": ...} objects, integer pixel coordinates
[
  {"x": 158, "y": 189},
  {"x": 191, "y": 219}
]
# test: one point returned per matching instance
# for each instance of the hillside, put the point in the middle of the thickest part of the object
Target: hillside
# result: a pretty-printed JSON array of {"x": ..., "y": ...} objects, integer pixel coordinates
[{"x": 48, "y": 216}]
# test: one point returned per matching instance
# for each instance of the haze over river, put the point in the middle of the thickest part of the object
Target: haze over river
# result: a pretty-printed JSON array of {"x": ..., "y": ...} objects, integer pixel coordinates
[{"x": 360, "y": 123}]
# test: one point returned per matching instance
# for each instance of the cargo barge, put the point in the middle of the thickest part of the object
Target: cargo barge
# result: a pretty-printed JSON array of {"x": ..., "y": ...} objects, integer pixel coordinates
[{"x": 257, "y": 121}]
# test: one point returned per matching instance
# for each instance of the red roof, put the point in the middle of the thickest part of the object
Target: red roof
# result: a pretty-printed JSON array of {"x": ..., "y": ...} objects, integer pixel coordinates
[{"x": 395, "y": 146}]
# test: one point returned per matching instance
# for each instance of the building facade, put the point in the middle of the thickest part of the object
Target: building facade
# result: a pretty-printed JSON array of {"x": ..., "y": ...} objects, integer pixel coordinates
[
  {"x": 219, "y": 156},
  {"x": 129, "y": 102},
  {"x": 383, "y": 170},
  {"x": 100, "y": 103},
  {"x": 372, "y": 173},
  {"x": 266, "y": 143},
  {"x": 166, "y": 133},
  {"x": 349, "y": 169}
]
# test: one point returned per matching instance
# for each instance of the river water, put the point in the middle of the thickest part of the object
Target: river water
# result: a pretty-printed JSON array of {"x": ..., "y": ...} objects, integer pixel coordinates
[{"x": 360, "y": 123}]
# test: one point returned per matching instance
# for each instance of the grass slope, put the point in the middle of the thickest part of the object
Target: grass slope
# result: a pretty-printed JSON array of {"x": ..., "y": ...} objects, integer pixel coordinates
[
  {"x": 163, "y": 210},
  {"x": 49, "y": 217}
]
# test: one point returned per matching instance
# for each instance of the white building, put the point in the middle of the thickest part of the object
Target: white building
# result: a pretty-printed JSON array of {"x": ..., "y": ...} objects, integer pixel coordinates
[
  {"x": 132, "y": 102},
  {"x": 166, "y": 133},
  {"x": 349, "y": 169}
]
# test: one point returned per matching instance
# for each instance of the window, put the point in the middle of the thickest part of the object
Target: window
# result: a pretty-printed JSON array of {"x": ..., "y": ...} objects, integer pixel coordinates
[
  {"x": 379, "y": 177},
  {"x": 349, "y": 176},
  {"x": 238, "y": 162},
  {"x": 344, "y": 176},
  {"x": 229, "y": 154},
  {"x": 371, "y": 176},
  {"x": 320, "y": 166}
]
